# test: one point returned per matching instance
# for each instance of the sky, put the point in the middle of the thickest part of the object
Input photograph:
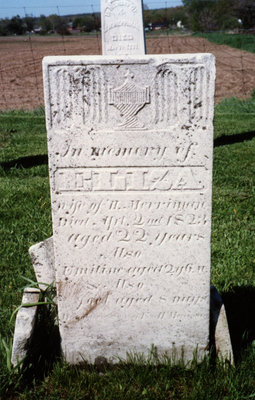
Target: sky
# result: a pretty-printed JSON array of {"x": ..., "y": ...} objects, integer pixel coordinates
[{"x": 11, "y": 8}]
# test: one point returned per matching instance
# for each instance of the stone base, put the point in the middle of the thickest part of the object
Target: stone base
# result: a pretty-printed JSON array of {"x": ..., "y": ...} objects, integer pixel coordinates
[{"x": 42, "y": 256}]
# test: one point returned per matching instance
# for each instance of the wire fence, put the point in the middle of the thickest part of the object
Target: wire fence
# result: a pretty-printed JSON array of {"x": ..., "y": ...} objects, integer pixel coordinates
[
  {"x": 83, "y": 7},
  {"x": 21, "y": 83}
]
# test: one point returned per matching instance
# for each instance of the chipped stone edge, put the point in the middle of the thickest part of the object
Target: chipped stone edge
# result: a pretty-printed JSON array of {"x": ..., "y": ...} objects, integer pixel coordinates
[
  {"x": 223, "y": 345},
  {"x": 24, "y": 325},
  {"x": 220, "y": 328},
  {"x": 42, "y": 256}
]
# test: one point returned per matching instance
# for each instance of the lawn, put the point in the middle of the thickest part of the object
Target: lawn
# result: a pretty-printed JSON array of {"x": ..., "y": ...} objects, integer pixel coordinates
[
  {"x": 25, "y": 220},
  {"x": 238, "y": 41}
]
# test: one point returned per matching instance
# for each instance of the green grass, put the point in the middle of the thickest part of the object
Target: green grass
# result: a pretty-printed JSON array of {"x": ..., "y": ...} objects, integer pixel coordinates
[
  {"x": 25, "y": 220},
  {"x": 25, "y": 205},
  {"x": 233, "y": 255},
  {"x": 22, "y": 134},
  {"x": 243, "y": 42}
]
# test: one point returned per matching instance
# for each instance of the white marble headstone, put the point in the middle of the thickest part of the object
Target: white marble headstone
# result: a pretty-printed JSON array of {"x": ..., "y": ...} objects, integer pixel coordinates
[
  {"x": 122, "y": 27},
  {"x": 130, "y": 155}
]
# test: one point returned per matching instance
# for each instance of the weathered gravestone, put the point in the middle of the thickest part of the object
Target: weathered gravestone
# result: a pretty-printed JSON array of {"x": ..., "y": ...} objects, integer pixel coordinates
[
  {"x": 122, "y": 27},
  {"x": 130, "y": 156}
]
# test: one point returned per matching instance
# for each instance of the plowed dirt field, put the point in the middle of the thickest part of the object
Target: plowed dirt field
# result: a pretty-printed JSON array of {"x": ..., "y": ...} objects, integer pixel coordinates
[{"x": 21, "y": 59}]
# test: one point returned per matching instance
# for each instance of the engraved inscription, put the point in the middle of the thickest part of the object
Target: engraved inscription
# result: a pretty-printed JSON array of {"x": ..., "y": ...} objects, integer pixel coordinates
[
  {"x": 113, "y": 5},
  {"x": 80, "y": 241},
  {"x": 189, "y": 300},
  {"x": 94, "y": 207},
  {"x": 146, "y": 151},
  {"x": 140, "y": 220},
  {"x": 135, "y": 271},
  {"x": 153, "y": 179},
  {"x": 129, "y": 301},
  {"x": 124, "y": 37},
  {"x": 178, "y": 154},
  {"x": 174, "y": 316}
]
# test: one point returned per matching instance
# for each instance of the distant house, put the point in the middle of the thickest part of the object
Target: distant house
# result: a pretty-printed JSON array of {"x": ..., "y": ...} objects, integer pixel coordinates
[{"x": 38, "y": 29}]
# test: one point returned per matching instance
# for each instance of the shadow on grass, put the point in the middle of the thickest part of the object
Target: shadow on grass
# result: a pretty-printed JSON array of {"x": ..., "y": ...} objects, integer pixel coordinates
[
  {"x": 25, "y": 162},
  {"x": 231, "y": 139},
  {"x": 33, "y": 161},
  {"x": 44, "y": 348},
  {"x": 239, "y": 305}
]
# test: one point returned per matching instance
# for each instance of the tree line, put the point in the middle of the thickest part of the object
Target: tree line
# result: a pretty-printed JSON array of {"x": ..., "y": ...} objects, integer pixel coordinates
[
  {"x": 212, "y": 15},
  {"x": 51, "y": 24},
  {"x": 196, "y": 15},
  {"x": 206, "y": 15}
]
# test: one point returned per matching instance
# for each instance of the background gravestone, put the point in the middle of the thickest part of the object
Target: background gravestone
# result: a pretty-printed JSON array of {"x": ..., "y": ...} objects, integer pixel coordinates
[
  {"x": 130, "y": 154},
  {"x": 122, "y": 27}
]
